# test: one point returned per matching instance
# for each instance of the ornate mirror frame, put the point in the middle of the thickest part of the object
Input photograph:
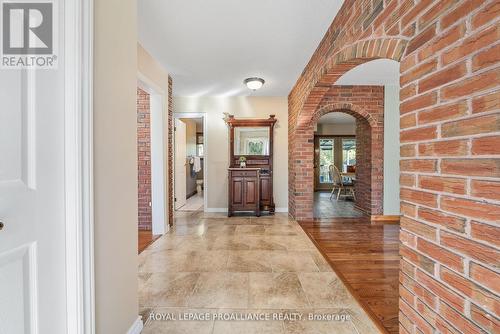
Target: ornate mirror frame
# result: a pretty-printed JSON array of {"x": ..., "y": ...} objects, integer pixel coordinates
[{"x": 253, "y": 161}]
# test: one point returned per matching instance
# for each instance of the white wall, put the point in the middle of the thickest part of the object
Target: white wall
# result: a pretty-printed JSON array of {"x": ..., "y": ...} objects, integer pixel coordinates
[
  {"x": 391, "y": 150},
  {"x": 115, "y": 165},
  {"x": 217, "y": 140},
  {"x": 338, "y": 129}
]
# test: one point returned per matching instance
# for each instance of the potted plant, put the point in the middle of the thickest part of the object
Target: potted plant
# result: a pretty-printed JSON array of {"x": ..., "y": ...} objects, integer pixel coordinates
[{"x": 243, "y": 162}]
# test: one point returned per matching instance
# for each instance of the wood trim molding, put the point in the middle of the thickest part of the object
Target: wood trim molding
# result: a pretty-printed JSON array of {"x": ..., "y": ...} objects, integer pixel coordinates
[
  {"x": 250, "y": 122},
  {"x": 384, "y": 219}
]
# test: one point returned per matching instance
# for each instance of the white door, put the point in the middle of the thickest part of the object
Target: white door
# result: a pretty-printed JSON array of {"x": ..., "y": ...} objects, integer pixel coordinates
[
  {"x": 180, "y": 164},
  {"x": 32, "y": 241}
]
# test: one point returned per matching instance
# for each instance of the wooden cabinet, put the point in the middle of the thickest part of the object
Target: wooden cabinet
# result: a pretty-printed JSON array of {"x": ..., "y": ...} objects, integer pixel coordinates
[
  {"x": 244, "y": 190},
  {"x": 251, "y": 188},
  {"x": 266, "y": 192}
]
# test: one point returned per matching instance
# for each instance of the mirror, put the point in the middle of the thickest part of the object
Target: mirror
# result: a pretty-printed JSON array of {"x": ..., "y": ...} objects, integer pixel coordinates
[{"x": 251, "y": 140}]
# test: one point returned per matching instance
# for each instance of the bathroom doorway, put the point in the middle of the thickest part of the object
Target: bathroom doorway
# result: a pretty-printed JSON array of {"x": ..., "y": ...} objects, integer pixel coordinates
[{"x": 190, "y": 166}]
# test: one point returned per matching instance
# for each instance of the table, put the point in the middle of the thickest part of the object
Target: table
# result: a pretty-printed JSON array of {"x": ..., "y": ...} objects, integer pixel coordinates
[{"x": 351, "y": 175}]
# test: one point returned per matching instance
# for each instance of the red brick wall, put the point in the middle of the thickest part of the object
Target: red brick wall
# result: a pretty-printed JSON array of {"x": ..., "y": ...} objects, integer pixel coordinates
[
  {"x": 450, "y": 167},
  {"x": 363, "y": 185},
  {"x": 144, "y": 160},
  {"x": 170, "y": 149},
  {"x": 366, "y": 104}
]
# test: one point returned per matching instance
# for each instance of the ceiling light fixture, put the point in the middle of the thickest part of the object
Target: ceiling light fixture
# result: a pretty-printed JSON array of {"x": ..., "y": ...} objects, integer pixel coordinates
[{"x": 254, "y": 83}]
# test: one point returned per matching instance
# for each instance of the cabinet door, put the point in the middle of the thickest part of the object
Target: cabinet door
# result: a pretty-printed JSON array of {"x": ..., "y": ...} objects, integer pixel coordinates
[
  {"x": 265, "y": 189},
  {"x": 250, "y": 191},
  {"x": 237, "y": 191}
]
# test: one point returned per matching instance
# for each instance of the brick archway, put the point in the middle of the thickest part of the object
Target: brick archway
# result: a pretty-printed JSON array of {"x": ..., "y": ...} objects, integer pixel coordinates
[
  {"x": 340, "y": 63},
  {"x": 369, "y": 113},
  {"x": 449, "y": 171},
  {"x": 302, "y": 113}
]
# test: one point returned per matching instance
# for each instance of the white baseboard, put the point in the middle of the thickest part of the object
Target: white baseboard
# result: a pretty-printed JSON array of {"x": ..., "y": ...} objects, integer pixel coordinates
[
  {"x": 136, "y": 327},
  {"x": 225, "y": 210},
  {"x": 216, "y": 210}
]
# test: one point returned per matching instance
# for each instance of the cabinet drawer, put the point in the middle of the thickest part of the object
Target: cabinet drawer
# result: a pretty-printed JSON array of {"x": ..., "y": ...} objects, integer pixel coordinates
[{"x": 237, "y": 173}]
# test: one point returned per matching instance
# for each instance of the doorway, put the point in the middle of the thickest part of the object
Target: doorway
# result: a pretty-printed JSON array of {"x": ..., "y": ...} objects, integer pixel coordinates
[
  {"x": 151, "y": 164},
  {"x": 335, "y": 160},
  {"x": 190, "y": 167}
]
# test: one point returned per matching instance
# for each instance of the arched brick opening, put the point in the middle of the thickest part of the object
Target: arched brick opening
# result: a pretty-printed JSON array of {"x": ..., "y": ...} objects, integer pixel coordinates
[
  {"x": 304, "y": 106},
  {"x": 369, "y": 112},
  {"x": 340, "y": 63},
  {"x": 369, "y": 156},
  {"x": 450, "y": 88}
]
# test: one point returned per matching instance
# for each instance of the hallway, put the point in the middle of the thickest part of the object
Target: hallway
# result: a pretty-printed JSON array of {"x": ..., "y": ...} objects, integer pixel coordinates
[{"x": 213, "y": 264}]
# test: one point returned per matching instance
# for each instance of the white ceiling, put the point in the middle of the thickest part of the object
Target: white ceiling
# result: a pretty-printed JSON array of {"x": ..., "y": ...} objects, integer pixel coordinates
[
  {"x": 336, "y": 118},
  {"x": 379, "y": 72},
  {"x": 209, "y": 47}
]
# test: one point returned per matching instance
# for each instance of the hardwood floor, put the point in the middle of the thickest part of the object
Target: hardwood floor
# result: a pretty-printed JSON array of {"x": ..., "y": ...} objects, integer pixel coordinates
[
  {"x": 366, "y": 258},
  {"x": 146, "y": 238}
]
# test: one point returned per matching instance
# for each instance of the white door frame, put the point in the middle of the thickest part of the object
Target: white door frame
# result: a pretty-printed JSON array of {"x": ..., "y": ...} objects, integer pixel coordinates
[
  {"x": 78, "y": 161},
  {"x": 203, "y": 116},
  {"x": 146, "y": 84},
  {"x": 180, "y": 195}
]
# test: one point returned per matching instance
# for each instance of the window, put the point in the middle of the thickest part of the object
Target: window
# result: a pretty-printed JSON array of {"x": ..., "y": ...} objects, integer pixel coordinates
[
  {"x": 348, "y": 153},
  {"x": 332, "y": 150},
  {"x": 326, "y": 158}
]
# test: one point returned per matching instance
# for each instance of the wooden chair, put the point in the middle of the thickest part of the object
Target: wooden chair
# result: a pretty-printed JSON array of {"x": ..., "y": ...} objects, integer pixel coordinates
[{"x": 339, "y": 184}]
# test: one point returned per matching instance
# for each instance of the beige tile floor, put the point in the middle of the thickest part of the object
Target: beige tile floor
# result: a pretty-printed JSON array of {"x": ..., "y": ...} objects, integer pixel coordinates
[{"x": 209, "y": 263}]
